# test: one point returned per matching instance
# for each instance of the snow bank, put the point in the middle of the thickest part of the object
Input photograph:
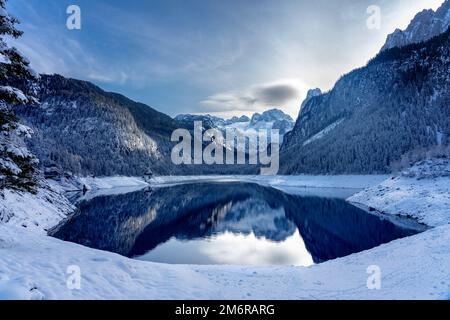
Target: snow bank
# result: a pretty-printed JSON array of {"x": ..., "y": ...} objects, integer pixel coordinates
[
  {"x": 34, "y": 266},
  {"x": 323, "y": 186},
  {"x": 34, "y": 212},
  {"x": 98, "y": 186},
  {"x": 331, "y": 186},
  {"x": 97, "y": 183},
  {"x": 300, "y": 181},
  {"x": 112, "y": 182},
  {"x": 421, "y": 192}
]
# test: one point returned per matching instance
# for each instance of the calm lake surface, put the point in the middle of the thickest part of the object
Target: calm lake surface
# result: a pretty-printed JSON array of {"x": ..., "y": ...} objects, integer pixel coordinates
[{"x": 226, "y": 223}]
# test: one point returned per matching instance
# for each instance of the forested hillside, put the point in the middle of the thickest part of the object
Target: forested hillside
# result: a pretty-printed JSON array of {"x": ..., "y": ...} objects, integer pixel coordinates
[
  {"x": 85, "y": 130},
  {"x": 398, "y": 103}
]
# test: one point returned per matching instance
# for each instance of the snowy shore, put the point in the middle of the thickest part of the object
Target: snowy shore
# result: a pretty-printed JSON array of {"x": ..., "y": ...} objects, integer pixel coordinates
[
  {"x": 303, "y": 181},
  {"x": 34, "y": 266},
  {"x": 422, "y": 192},
  {"x": 327, "y": 186}
]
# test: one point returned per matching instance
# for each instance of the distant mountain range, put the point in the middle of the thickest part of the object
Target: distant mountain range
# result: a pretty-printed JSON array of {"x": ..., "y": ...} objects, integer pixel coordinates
[
  {"x": 270, "y": 119},
  {"x": 397, "y": 104}
]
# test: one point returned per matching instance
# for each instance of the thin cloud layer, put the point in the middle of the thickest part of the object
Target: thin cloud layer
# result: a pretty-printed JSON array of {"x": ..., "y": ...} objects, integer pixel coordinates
[{"x": 172, "y": 55}]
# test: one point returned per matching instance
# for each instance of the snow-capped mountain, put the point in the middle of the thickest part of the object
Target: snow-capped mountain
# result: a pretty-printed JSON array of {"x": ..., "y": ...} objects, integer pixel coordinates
[
  {"x": 208, "y": 121},
  {"x": 237, "y": 119},
  {"x": 397, "y": 105},
  {"x": 424, "y": 26},
  {"x": 270, "y": 119}
]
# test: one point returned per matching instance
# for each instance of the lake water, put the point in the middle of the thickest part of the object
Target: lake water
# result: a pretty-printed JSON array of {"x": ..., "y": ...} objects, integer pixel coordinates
[{"x": 226, "y": 223}]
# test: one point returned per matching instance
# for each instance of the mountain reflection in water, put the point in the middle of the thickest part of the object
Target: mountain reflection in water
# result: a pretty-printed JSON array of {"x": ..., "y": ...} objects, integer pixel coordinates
[{"x": 226, "y": 223}]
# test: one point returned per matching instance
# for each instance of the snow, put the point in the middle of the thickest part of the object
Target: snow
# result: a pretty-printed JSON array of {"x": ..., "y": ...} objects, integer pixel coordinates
[
  {"x": 10, "y": 166},
  {"x": 419, "y": 192},
  {"x": 329, "y": 186},
  {"x": 19, "y": 95},
  {"x": 244, "y": 126},
  {"x": 98, "y": 186},
  {"x": 324, "y": 132},
  {"x": 24, "y": 131},
  {"x": 34, "y": 266},
  {"x": 424, "y": 26},
  {"x": 324, "y": 186},
  {"x": 111, "y": 182},
  {"x": 428, "y": 169},
  {"x": 37, "y": 212},
  {"x": 3, "y": 58},
  {"x": 21, "y": 152}
]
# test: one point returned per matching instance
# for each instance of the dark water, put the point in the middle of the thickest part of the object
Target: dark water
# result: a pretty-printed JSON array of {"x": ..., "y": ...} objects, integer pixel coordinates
[{"x": 226, "y": 223}]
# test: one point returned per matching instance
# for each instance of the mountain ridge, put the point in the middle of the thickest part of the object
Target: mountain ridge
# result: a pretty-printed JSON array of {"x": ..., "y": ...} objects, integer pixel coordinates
[
  {"x": 424, "y": 26},
  {"x": 395, "y": 104},
  {"x": 85, "y": 130},
  {"x": 269, "y": 119}
]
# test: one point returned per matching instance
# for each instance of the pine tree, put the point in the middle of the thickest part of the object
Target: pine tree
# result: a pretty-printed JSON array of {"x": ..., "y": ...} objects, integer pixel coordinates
[{"x": 18, "y": 166}]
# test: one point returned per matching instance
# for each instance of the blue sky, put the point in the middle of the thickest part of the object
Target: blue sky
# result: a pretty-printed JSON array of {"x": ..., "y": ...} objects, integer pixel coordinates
[{"x": 208, "y": 56}]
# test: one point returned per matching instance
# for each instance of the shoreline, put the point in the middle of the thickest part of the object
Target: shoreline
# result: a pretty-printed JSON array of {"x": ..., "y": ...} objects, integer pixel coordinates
[{"x": 421, "y": 263}]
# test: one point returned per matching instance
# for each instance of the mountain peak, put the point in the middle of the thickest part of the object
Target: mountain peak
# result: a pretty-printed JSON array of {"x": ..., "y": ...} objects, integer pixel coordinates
[
  {"x": 425, "y": 25},
  {"x": 311, "y": 94},
  {"x": 271, "y": 115}
]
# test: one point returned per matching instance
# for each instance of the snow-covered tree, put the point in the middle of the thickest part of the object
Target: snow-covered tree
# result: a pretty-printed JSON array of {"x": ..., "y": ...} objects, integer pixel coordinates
[{"x": 17, "y": 164}]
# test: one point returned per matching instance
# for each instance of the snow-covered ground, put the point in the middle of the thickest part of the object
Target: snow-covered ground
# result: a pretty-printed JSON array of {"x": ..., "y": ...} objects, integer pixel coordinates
[
  {"x": 300, "y": 181},
  {"x": 34, "y": 266},
  {"x": 324, "y": 186},
  {"x": 99, "y": 183},
  {"x": 422, "y": 192},
  {"x": 112, "y": 182},
  {"x": 344, "y": 181},
  {"x": 33, "y": 212},
  {"x": 98, "y": 186}
]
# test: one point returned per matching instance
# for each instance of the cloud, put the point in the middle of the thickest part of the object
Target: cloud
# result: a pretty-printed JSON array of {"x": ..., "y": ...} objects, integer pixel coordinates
[
  {"x": 54, "y": 53},
  {"x": 276, "y": 94},
  {"x": 285, "y": 94}
]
